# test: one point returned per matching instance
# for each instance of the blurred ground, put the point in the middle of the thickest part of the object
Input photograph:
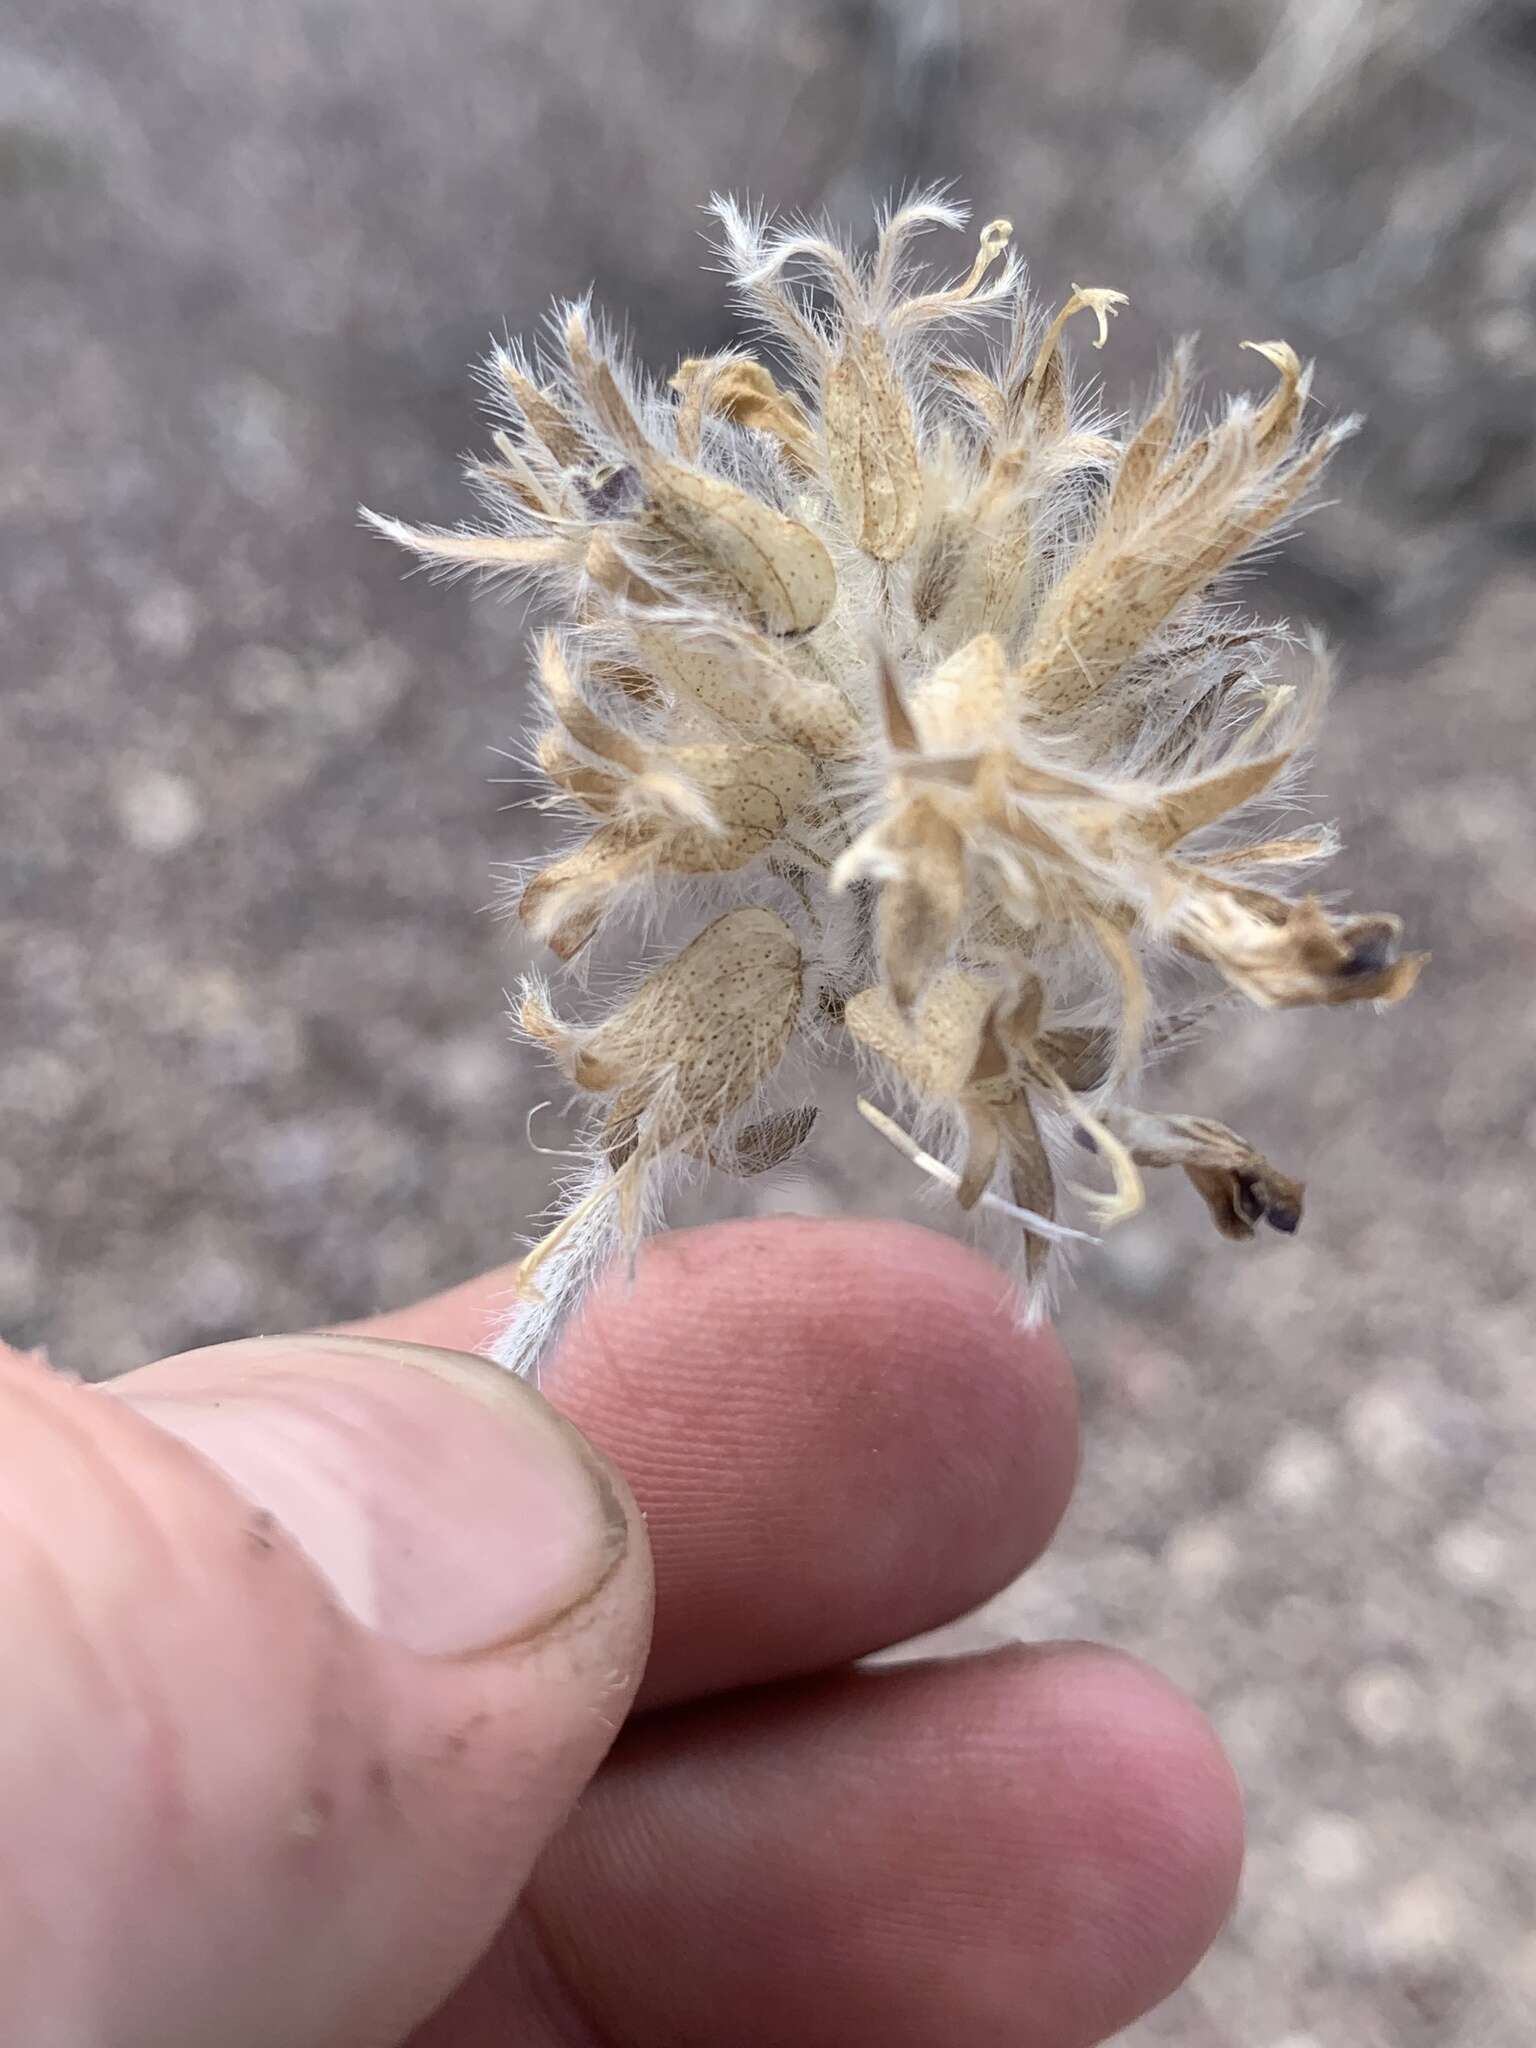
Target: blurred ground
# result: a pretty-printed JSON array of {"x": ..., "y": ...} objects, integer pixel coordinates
[{"x": 252, "y": 1072}]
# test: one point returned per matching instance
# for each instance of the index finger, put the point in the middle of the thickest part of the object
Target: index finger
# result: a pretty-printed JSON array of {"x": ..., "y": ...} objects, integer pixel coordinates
[{"x": 838, "y": 1434}]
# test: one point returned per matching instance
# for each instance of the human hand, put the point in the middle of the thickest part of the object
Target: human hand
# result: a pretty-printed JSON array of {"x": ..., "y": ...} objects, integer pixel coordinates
[{"x": 311, "y": 1651}]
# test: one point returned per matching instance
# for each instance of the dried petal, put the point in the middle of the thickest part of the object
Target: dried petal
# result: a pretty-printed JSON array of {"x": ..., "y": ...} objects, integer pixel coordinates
[
  {"x": 1043, "y": 398},
  {"x": 1285, "y": 955},
  {"x": 1238, "y": 1184},
  {"x": 1034, "y": 1185},
  {"x": 594, "y": 788},
  {"x": 984, "y": 1142},
  {"x": 741, "y": 390},
  {"x": 1280, "y": 415},
  {"x": 546, "y": 418}
]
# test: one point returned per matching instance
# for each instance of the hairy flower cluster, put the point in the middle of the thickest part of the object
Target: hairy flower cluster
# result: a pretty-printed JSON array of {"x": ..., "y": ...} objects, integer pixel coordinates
[{"x": 902, "y": 669}]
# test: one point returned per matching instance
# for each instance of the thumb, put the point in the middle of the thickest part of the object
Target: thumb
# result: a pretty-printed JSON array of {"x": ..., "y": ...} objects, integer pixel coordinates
[{"x": 311, "y": 1643}]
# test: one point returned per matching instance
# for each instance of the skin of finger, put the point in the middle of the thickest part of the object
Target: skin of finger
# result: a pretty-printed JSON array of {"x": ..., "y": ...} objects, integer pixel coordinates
[
  {"x": 231, "y": 1812},
  {"x": 1025, "y": 1850},
  {"x": 836, "y": 1430}
]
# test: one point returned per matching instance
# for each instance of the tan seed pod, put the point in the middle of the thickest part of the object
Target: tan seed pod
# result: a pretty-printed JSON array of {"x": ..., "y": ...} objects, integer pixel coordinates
[
  {"x": 815, "y": 716},
  {"x": 708, "y": 672},
  {"x": 871, "y": 447},
  {"x": 805, "y": 707},
  {"x": 762, "y": 1147},
  {"x": 703, "y": 1031},
  {"x": 750, "y": 792},
  {"x": 935, "y": 1048},
  {"x": 770, "y": 568},
  {"x": 1173, "y": 523},
  {"x": 743, "y": 683}
]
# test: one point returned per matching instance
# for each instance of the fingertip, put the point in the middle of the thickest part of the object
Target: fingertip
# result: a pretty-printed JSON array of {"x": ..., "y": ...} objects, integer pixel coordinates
[
  {"x": 1033, "y": 1846},
  {"x": 838, "y": 1427},
  {"x": 879, "y": 1306},
  {"x": 1152, "y": 1817}
]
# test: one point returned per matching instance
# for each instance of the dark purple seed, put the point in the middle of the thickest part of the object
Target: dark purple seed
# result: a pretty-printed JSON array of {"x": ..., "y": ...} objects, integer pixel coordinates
[
  {"x": 1371, "y": 953},
  {"x": 609, "y": 494}
]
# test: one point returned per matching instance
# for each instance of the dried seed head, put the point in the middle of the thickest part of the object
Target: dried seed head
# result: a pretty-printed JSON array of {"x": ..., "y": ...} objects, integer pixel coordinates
[{"x": 907, "y": 643}]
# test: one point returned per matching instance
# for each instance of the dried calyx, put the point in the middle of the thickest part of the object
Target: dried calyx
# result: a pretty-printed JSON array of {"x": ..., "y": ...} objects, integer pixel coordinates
[{"x": 913, "y": 661}]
